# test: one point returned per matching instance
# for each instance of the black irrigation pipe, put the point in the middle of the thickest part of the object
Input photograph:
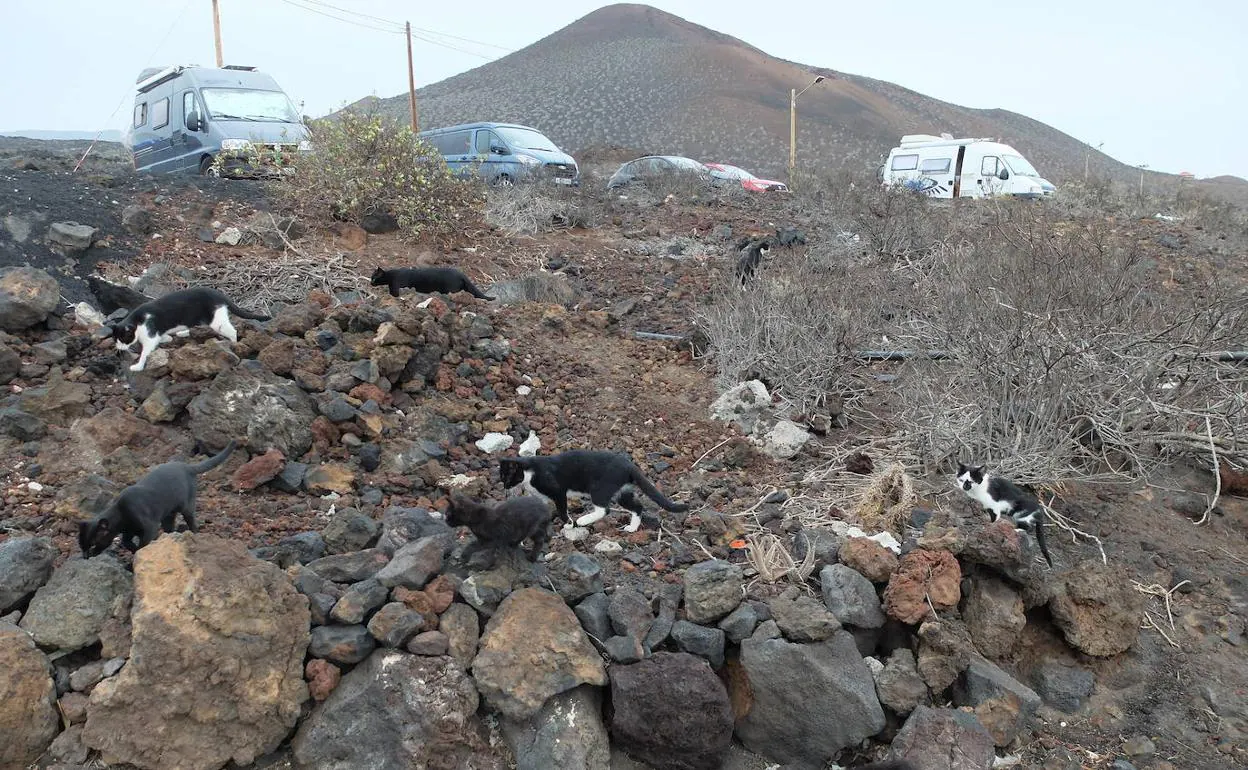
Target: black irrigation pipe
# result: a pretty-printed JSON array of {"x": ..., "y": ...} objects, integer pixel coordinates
[{"x": 1235, "y": 356}]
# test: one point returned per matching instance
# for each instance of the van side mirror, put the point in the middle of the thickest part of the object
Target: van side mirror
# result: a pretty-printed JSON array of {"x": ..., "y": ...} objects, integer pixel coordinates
[
  {"x": 1003, "y": 174},
  {"x": 193, "y": 122},
  {"x": 498, "y": 149}
]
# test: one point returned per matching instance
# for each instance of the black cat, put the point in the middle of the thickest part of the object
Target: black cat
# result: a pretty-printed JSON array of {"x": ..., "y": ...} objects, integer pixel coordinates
[
  {"x": 754, "y": 254},
  {"x": 444, "y": 280},
  {"x": 177, "y": 312},
  {"x": 152, "y": 503},
  {"x": 604, "y": 476},
  {"x": 1002, "y": 497},
  {"x": 508, "y": 523}
]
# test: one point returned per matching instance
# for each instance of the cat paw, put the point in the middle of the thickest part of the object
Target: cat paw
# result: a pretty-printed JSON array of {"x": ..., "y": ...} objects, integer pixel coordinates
[
  {"x": 590, "y": 518},
  {"x": 136, "y": 367},
  {"x": 184, "y": 333},
  {"x": 633, "y": 524}
]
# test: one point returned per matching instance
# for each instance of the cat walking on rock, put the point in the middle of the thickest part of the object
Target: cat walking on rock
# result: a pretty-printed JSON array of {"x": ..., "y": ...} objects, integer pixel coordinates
[{"x": 605, "y": 477}]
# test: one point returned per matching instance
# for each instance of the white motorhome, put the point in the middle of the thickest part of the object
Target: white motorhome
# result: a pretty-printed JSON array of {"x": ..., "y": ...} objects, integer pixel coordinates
[
  {"x": 945, "y": 167},
  {"x": 186, "y": 116}
]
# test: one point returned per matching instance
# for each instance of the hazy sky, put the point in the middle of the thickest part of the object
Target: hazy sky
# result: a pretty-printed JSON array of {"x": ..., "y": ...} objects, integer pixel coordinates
[{"x": 1161, "y": 83}]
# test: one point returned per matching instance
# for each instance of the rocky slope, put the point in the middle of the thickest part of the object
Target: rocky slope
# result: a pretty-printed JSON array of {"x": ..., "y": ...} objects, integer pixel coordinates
[{"x": 326, "y": 616}]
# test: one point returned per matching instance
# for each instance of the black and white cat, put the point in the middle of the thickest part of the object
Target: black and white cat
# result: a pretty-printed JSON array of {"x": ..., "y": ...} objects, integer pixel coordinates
[
  {"x": 444, "y": 280},
  {"x": 1002, "y": 497},
  {"x": 149, "y": 505},
  {"x": 508, "y": 523},
  {"x": 754, "y": 254},
  {"x": 603, "y": 476},
  {"x": 177, "y": 312}
]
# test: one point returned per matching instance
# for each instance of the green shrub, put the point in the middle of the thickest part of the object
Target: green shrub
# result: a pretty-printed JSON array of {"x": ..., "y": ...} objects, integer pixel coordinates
[{"x": 365, "y": 164}]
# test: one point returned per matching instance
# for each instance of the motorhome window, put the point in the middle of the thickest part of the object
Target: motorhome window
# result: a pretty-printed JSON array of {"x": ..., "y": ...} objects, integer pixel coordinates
[
  {"x": 188, "y": 106},
  {"x": 140, "y": 114},
  {"x": 250, "y": 105},
  {"x": 1020, "y": 166},
  {"x": 936, "y": 165},
  {"x": 160, "y": 113},
  {"x": 486, "y": 139},
  {"x": 989, "y": 166},
  {"x": 905, "y": 163},
  {"x": 526, "y": 139},
  {"x": 455, "y": 143}
]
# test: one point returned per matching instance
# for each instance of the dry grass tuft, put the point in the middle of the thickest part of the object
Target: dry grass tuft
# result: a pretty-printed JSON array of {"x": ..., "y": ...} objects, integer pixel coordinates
[
  {"x": 887, "y": 500},
  {"x": 770, "y": 557}
]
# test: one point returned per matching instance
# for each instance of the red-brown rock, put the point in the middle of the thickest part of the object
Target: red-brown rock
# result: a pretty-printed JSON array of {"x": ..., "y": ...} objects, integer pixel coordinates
[
  {"x": 324, "y": 433},
  {"x": 367, "y": 390},
  {"x": 872, "y": 560},
  {"x": 441, "y": 593},
  {"x": 322, "y": 677},
  {"x": 279, "y": 356},
  {"x": 258, "y": 470},
  {"x": 922, "y": 577}
]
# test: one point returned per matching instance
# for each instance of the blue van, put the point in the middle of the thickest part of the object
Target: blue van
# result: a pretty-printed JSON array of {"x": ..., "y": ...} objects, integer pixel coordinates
[
  {"x": 187, "y": 117},
  {"x": 504, "y": 153}
]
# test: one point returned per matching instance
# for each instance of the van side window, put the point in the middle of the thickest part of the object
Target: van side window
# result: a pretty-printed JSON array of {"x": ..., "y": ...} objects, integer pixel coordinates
[
  {"x": 188, "y": 106},
  {"x": 140, "y": 114},
  {"x": 905, "y": 162},
  {"x": 459, "y": 143},
  {"x": 990, "y": 166},
  {"x": 160, "y": 113},
  {"x": 485, "y": 139},
  {"x": 936, "y": 165}
]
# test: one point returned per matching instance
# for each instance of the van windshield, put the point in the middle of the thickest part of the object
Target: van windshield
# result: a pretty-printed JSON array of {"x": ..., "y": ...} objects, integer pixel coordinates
[
  {"x": 1020, "y": 166},
  {"x": 248, "y": 104},
  {"x": 526, "y": 139}
]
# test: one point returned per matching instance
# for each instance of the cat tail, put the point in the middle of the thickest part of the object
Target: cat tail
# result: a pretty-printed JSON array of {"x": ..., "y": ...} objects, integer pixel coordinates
[
  {"x": 642, "y": 483},
  {"x": 1044, "y": 549},
  {"x": 472, "y": 289},
  {"x": 213, "y": 462},
  {"x": 241, "y": 313}
]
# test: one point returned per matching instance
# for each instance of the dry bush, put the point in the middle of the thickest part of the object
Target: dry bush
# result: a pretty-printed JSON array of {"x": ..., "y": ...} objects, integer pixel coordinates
[
  {"x": 535, "y": 207},
  {"x": 797, "y": 326},
  {"x": 891, "y": 221},
  {"x": 1064, "y": 362},
  {"x": 365, "y": 164}
]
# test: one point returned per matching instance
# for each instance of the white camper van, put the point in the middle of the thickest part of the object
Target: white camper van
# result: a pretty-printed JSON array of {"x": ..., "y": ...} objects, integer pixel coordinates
[
  {"x": 944, "y": 167},
  {"x": 186, "y": 116}
]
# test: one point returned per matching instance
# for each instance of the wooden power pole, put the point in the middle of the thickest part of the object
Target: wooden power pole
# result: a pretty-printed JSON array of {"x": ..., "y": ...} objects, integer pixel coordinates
[
  {"x": 216, "y": 31},
  {"x": 411, "y": 80}
]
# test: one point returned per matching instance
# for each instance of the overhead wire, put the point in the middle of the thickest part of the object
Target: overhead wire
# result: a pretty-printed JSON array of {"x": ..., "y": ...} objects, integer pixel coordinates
[
  {"x": 127, "y": 94},
  {"x": 418, "y": 33}
]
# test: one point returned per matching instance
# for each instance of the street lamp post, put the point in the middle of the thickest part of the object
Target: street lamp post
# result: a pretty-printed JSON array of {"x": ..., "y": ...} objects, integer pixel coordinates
[
  {"x": 1087, "y": 160},
  {"x": 793, "y": 94}
]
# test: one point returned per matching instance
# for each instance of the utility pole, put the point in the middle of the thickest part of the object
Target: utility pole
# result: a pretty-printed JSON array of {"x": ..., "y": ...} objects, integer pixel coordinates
[
  {"x": 216, "y": 31},
  {"x": 1087, "y": 159},
  {"x": 411, "y": 80},
  {"x": 1142, "y": 167},
  {"x": 792, "y": 134},
  {"x": 793, "y": 94}
]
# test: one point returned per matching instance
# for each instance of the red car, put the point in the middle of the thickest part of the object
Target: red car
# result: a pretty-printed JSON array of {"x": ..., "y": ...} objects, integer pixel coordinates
[{"x": 748, "y": 180}]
